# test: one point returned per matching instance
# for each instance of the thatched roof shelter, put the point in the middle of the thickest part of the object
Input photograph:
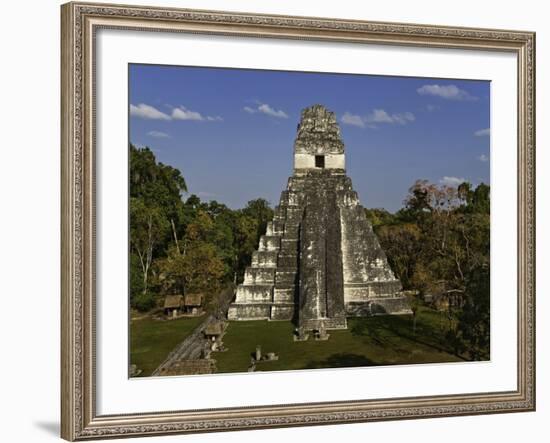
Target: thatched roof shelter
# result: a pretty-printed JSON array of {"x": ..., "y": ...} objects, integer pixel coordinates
[
  {"x": 173, "y": 302},
  {"x": 193, "y": 299}
]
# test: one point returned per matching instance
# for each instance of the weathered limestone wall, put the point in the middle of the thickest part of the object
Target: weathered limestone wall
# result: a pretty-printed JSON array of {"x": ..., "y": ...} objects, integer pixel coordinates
[
  {"x": 366, "y": 269},
  {"x": 321, "y": 298},
  {"x": 249, "y": 311},
  {"x": 378, "y": 306},
  {"x": 307, "y": 161}
]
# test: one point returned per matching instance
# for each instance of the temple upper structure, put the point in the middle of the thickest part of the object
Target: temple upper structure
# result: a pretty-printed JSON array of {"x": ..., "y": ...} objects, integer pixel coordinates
[
  {"x": 319, "y": 261},
  {"x": 318, "y": 143}
]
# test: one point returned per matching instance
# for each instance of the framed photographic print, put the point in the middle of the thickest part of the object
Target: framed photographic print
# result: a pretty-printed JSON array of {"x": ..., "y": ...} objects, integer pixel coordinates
[{"x": 283, "y": 221}]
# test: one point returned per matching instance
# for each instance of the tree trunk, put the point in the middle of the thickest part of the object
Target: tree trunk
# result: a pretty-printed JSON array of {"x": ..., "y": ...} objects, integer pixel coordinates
[
  {"x": 148, "y": 254},
  {"x": 175, "y": 235}
]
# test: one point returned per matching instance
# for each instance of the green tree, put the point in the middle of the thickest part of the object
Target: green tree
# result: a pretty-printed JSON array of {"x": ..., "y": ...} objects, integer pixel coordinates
[
  {"x": 159, "y": 185},
  {"x": 439, "y": 243},
  {"x": 200, "y": 269},
  {"x": 474, "y": 318},
  {"x": 198, "y": 265},
  {"x": 402, "y": 245},
  {"x": 147, "y": 228},
  {"x": 260, "y": 211},
  {"x": 379, "y": 217},
  {"x": 246, "y": 241},
  {"x": 156, "y": 211}
]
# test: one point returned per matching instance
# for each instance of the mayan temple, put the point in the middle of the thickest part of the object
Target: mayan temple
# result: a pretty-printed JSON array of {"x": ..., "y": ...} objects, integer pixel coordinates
[{"x": 319, "y": 261}]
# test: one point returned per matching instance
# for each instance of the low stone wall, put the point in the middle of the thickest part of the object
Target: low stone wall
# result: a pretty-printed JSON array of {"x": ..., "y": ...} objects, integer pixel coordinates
[
  {"x": 326, "y": 323},
  {"x": 366, "y": 291},
  {"x": 378, "y": 306},
  {"x": 282, "y": 312},
  {"x": 249, "y": 312},
  {"x": 189, "y": 367}
]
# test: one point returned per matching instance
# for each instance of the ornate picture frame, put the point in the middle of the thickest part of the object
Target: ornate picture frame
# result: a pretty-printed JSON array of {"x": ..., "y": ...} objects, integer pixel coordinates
[{"x": 80, "y": 22}]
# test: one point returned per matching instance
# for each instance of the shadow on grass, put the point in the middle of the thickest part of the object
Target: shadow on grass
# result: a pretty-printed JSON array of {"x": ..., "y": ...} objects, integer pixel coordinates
[
  {"x": 341, "y": 360},
  {"x": 369, "y": 327},
  {"x": 391, "y": 331}
]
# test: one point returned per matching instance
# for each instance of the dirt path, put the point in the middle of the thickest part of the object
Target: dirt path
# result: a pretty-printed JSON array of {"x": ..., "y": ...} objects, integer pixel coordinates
[{"x": 195, "y": 345}]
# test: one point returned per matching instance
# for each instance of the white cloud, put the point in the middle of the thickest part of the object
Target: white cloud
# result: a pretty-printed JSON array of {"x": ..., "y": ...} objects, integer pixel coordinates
[
  {"x": 452, "y": 181},
  {"x": 377, "y": 116},
  {"x": 403, "y": 118},
  {"x": 448, "y": 92},
  {"x": 482, "y": 132},
  {"x": 158, "y": 134},
  {"x": 264, "y": 108},
  {"x": 353, "y": 120},
  {"x": 432, "y": 108},
  {"x": 183, "y": 113},
  {"x": 483, "y": 158},
  {"x": 149, "y": 112}
]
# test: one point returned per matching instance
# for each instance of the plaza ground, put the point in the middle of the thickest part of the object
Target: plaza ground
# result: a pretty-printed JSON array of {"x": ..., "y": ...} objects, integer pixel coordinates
[
  {"x": 152, "y": 340},
  {"x": 372, "y": 341}
]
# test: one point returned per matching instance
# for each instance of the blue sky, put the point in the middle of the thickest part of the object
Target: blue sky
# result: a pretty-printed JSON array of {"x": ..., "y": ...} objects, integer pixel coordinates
[{"x": 231, "y": 131}]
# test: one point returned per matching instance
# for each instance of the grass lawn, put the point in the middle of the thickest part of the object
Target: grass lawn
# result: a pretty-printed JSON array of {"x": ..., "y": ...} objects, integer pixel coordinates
[
  {"x": 152, "y": 340},
  {"x": 383, "y": 340}
]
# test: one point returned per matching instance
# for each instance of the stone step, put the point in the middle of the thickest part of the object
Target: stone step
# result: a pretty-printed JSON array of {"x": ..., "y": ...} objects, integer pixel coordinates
[
  {"x": 287, "y": 269},
  {"x": 254, "y": 276},
  {"x": 351, "y": 198},
  {"x": 284, "y": 295},
  {"x": 269, "y": 243},
  {"x": 378, "y": 306},
  {"x": 278, "y": 227},
  {"x": 287, "y": 207},
  {"x": 285, "y": 312},
  {"x": 287, "y": 260},
  {"x": 254, "y": 294},
  {"x": 303, "y": 184},
  {"x": 288, "y": 245},
  {"x": 291, "y": 229},
  {"x": 327, "y": 323},
  {"x": 365, "y": 290},
  {"x": 289, "y": 198},
  {"x": 286, "y": 277},
  {"x": 285, "y": 286},
  {"x": 259, "y": 311},
  {"x": 294, "y": 212},
  {"x": 275, "y": 228},
  {"x": 294, "y": 235},
  {"x": 264, "y": 259}
]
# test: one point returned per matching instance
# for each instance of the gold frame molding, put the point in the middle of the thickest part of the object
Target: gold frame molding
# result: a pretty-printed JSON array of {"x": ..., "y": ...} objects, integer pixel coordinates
[{"x": 79, "y": 22}]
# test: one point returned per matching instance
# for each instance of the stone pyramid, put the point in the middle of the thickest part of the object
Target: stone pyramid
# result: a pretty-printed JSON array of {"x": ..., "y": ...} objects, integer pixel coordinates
[{"x": 319, "y": 260}]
